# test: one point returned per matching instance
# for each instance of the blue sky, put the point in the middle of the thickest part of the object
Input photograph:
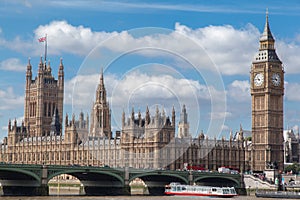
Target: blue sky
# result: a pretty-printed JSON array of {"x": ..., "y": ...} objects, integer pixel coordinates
[{"x": 155, "y": 53}]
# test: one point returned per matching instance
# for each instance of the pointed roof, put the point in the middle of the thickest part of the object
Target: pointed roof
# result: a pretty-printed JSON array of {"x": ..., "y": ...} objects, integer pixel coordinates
[
  {"x": 267, "y": 35},
  {"x": 183, "y": 108},
  {"x": 55, "y": 124},
  {"x": 41, "y": 64},
  {"x": 101, "y": 77},
  {"x": 132, "y": 112},
  {"x": 157, "y": 110},
  {"x": 29, "y": 64},
  {"x": 49, "y": 66},
  {"x": 101, "y": 92},
  {"x": 101, "y": 83},
  {"x": 183, "y": 115},
  {"x": 266, "y": 51},
  {"x": 61, "y": 66}
]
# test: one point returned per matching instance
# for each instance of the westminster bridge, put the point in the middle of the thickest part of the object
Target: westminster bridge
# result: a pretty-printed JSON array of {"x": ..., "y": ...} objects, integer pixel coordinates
[{"x": 23, "y": 179}]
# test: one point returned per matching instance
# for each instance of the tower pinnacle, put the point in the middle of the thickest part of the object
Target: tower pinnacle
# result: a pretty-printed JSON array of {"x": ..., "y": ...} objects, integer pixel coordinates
[
  {"x": 100, "y": 125},
  {"x": 266, "y": 46},
  {"x": 267, "y": 35},
  {"x": 101, "y": 92}
]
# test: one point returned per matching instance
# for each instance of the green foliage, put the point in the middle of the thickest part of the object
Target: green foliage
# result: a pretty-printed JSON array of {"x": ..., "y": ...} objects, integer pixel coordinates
[{"x": 295, "y": 168}]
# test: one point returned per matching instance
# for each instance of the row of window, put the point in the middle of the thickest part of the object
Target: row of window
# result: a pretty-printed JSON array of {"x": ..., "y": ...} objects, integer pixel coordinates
[
  {"x": 49, "y": 109},
  {"x": 56, "y": 156}
]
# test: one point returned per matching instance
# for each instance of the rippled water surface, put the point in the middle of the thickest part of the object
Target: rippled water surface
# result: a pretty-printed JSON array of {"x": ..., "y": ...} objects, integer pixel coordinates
[{"x": 127, "y": 198}]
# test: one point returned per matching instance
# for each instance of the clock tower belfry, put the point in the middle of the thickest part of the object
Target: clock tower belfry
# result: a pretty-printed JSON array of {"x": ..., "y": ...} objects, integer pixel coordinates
[{"x": 267, "y": 90}]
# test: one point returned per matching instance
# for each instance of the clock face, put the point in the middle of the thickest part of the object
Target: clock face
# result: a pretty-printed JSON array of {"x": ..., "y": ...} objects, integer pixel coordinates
[
  {"x": 276, "y": 79},
  {"x": 259, "y": 79}
]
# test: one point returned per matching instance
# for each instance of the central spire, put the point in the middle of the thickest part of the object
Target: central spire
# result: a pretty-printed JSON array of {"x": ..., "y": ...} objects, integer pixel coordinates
[
  {"x": 101, "y": 92},
  {"x": 101, "y": 118},
  {"x": 267, "y": 35},
  {"x": 101, "y": 76}
]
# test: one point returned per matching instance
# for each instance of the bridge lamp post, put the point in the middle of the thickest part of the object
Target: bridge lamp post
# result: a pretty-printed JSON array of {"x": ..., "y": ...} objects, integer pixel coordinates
[
  {"x": 81, "y": 189},
  {"x": 58, "y": 185},
  {"x": 191, "y": 166}
]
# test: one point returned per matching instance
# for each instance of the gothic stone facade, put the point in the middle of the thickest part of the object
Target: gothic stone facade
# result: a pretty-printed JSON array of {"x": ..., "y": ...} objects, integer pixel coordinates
[
  {"x": 148, "y": 142},
  {"x": 43, "y": 95}
]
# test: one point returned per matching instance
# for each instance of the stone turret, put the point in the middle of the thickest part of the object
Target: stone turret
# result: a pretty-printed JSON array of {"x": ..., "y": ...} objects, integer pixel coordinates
[
  {"x": 147, "y": 127},
  {"x": 55, "y": 124},
  {"x": 15, "y": 132},
  {"x": 100, "y": 116},
  {"x": 183, "y": 126},
  {"x": 71, "y": 134},
  {"x": 43, "y": 94}
]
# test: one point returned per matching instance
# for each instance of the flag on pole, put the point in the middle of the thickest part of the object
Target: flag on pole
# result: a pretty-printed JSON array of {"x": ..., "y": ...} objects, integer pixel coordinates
[{"x": 42, "y": 39}]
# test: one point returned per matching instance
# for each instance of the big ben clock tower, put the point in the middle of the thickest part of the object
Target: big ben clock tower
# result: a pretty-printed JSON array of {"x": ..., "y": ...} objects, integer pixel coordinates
[{"x": 267, "y": 90}]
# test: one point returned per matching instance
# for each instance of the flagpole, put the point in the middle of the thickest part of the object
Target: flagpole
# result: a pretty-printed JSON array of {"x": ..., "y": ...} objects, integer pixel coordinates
[{"x": 46, "y": 48}]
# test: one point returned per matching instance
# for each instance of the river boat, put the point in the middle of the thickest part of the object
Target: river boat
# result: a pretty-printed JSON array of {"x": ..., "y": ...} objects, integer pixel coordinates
[
  {"x": 278, "y": 194},
  {"x": 197, "y": 190}
]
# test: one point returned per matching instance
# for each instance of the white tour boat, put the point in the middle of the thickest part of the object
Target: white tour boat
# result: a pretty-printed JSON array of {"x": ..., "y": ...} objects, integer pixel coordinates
[{"x": 197, "y": 190}]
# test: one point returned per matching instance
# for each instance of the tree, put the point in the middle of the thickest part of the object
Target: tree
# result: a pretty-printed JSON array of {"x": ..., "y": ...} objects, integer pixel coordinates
[{"x": 295, "y": 168}]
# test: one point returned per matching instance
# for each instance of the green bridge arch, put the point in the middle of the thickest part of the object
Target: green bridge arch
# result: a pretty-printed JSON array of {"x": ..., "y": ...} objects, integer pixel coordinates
[
  {"x": 232, "y": 179},
  {"x": 24, "y": 171},
  {"x": 72, "y": 171},
  {"x": 100, "y": 179},
  {"x": 179, "y": 176}
]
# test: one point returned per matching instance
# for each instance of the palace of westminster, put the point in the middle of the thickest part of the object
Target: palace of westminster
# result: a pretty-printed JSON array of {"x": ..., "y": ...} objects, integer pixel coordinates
[{"x": 149, "y": 141}]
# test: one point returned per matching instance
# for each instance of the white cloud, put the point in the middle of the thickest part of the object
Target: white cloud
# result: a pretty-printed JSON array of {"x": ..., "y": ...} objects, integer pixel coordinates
[
  {"x": 64, "y": 37},
  {"x": 220, "y": 115},
  {"x": 9, "y": 100},
  {"x": 80, "y": 90},
  {"x": 4, "y": 128},
  {"x": 140, "y": 87},
  {"x": 288, "y": 53},
  {"x": 225, "y": 128},
  {"x": 295, "y": 128},
  {"x": 239, "y": 100},
  {"x": 19, "y": 45},
  {"x": 231, "y": 49},
  {"x": 292, "y": 91},
  {"x": 137, "y": 88},
  {"x": 12, "y": 64},
  {"x": 239, "y": 91},
  {"x": 19, "y": 122}
]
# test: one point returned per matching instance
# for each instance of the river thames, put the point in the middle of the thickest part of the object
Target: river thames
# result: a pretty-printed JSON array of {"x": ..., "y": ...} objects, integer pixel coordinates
[{"x": 126, "y": 198}]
